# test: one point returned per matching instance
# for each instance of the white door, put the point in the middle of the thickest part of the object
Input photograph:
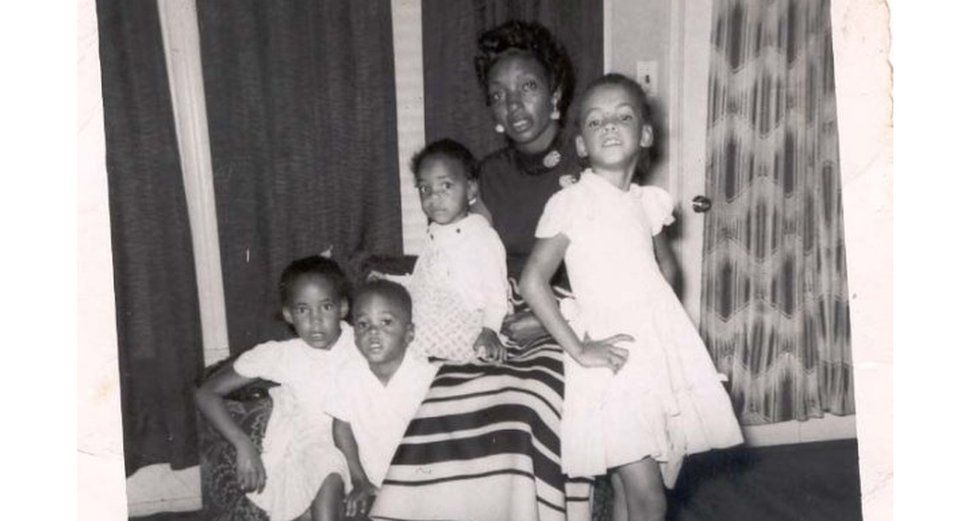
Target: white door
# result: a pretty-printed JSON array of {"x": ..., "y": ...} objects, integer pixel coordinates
[{"x": 690, "y": 28}]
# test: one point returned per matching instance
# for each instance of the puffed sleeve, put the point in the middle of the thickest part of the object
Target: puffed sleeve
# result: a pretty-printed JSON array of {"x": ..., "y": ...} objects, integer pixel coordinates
[
  {"x": 658, "y": 206},
  {"x": 261, "y": 361},
  {"x": 558, "y": 216}
]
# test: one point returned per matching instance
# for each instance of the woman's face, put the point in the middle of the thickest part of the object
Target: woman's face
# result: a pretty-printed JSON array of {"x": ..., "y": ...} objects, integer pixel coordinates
[{"x": 522, "y": 100}]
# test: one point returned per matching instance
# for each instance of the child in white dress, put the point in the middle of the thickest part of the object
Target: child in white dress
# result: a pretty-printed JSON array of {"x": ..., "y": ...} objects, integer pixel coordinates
[
  {"x": 459, "y": 285},
  {"x": 298, "y": 466},
  {"x": 634, "y": 412},
  {"x": 377, "y": 393}
]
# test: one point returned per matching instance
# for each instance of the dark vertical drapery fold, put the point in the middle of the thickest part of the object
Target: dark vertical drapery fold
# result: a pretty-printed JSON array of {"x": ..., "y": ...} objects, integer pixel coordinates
[
  {"x": 775, "y": 308},
  {"x": 454, "y": 103},
  {"x": 157, "y": 311},
  {"x": 302, "y": 116}
]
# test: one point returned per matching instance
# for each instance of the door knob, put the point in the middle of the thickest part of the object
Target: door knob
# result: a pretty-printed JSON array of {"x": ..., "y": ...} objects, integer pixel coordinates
[{"x": 701, "y": 204}]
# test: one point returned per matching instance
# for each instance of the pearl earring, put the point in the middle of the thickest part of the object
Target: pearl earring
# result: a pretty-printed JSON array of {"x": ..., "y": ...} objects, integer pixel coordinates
[
  {"x": 499, "y": 128},
  {"x": 472, "y": 201},
  {"x": 554, "y": 115}
]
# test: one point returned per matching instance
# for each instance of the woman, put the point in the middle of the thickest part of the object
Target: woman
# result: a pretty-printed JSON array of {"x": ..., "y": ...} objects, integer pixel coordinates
[{"x": 485, "y": 442}]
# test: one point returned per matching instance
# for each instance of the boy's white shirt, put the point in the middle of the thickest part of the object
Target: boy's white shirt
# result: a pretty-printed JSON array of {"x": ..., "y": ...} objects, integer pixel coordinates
[
  {"x": 476, "y": 265},
  {"x": 378, "y": 414}
]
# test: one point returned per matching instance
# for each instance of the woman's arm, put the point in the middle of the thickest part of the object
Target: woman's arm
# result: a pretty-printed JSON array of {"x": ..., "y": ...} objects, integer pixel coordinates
[
  {"x": 543, "y": 262},
  {"x": 209, "y": 398},
  {"x": 668, "y": 262},
  {"x": 362, "y": 489}
]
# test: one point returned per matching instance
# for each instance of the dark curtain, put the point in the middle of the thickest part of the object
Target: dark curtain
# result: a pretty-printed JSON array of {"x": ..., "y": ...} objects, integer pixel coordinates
[
  {"x": 157, "y": 311},
  {"x": 302, "y": 116},
  {"x": 775, "y": 310},
  {"x": 454, "y": 102}
]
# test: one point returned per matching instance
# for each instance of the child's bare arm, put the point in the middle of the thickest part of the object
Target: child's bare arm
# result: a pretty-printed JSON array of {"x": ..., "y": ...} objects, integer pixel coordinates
[
  {"x": 362, "y": 489},
  {"x": 209, "y": 399},
  {"x": 667, "y": 261},
  {"x": 534, "y": 286}
]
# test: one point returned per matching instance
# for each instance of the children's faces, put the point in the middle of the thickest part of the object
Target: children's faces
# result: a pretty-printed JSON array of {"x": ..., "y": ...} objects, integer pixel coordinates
[
  {"x": 314, "y": 310},
  {"x": 444, "y": 189},
  {"x": 382, "y": 329},
  {"x": 611, "y": 128},
  {"x": 522, "y": 100}
]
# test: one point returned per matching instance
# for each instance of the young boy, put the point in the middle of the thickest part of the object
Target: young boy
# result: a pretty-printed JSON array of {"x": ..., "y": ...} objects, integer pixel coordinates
[{"x": 377, "y": 394}]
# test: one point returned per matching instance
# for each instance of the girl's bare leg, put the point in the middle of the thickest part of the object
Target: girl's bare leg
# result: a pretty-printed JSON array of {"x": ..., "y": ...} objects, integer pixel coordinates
[
  {"x": 619, "y": 498},
  {"x": 327, "y": 505},
  {"x": 644, "y": 490}
]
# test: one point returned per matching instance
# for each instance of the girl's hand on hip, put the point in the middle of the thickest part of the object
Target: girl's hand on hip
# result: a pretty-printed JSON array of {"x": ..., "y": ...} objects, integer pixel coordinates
[
  {"x": 250, "y": 470},
  {"x": 604, "y": 353}
]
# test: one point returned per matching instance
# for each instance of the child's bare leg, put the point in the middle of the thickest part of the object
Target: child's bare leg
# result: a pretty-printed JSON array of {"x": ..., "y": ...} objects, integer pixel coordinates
[
  {"x": 327, "y": 505},
  {"x": 619, "y": 498},
  {"x": 644, "y": 490}
]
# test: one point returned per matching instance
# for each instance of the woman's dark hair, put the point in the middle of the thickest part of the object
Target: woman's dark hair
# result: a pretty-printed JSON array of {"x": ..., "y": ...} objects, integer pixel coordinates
[
  {"x": 314, "y": 265},
  {"x": 534, "y": 39},
  {"x": 389, "y": 290},
  {"x": 446, "y": 148},
  {"x": 632, "y": 87}
]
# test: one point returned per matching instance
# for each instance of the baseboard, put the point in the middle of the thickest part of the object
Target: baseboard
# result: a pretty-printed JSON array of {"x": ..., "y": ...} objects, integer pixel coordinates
[
  {"x": 829, "y": 427},
  {"x": 159, "y": 488}
]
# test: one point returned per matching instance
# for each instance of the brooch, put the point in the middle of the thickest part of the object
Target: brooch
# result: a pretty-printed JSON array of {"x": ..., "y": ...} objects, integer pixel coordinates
[
  {"x": 566, "y": 180},
  {"x": 552, "y": 159}
]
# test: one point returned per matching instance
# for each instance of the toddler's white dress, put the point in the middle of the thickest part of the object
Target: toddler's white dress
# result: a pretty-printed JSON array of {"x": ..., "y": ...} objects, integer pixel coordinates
[
  {"x": 667, "y": 400},
  {"x": 297, "y": 451}
]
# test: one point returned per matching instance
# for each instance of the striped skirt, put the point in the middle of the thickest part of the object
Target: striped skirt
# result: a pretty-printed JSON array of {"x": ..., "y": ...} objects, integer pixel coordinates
[{"x": 484, "y": 445}]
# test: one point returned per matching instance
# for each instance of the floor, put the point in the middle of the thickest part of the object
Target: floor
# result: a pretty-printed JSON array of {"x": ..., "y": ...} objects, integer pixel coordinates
[{"x": 806, "y": 482}]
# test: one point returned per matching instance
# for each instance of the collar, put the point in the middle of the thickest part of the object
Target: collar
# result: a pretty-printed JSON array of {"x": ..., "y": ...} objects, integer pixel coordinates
[
  {"x": 594, "y": 182},
  {"x": 556, "y": 155},
  {"x": 461, "y": 228}
]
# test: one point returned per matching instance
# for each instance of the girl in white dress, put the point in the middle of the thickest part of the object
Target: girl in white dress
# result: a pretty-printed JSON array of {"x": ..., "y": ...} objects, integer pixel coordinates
[
  {"x": 634, "y": 411},
  {"x": 298, "y": 467}
]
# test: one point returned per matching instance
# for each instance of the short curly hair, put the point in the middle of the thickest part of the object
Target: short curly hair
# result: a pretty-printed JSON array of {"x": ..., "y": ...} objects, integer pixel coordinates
[
  {"x": 314, "y": 265},
  {"x": 389, "y": 290},
  {"x": 534, "y": 39},
  {"x": 446, "y": 148}
]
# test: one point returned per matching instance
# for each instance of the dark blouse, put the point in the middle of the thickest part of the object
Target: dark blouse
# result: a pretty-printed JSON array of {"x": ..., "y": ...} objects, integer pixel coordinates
[{"x": 515, "y": 188}]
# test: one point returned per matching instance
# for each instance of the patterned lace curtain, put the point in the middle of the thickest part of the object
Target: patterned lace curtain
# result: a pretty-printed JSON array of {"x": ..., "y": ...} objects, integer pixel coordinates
[{"x": 774, "y": 306}]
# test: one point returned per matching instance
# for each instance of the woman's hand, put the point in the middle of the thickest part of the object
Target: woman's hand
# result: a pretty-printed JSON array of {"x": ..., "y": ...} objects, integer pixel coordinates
[
  {"x": 357, "y": 502},
  {"x": 489, "y": 347},
  {"x": 603, "y": 353},
  {"x": 250, "y": 469},
  {"x": 522, "y": 327}
]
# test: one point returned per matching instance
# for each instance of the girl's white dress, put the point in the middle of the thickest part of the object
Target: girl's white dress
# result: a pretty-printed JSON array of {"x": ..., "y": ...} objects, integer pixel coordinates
[
  {"x": 667, "y": 400},
  {"x": 298, "y": 451}
]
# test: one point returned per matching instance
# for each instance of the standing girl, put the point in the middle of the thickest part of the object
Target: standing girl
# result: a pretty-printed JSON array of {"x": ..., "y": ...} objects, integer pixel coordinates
[
  {"x": 300, "y": 467},
  {"x": 634, "y": 412}
]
